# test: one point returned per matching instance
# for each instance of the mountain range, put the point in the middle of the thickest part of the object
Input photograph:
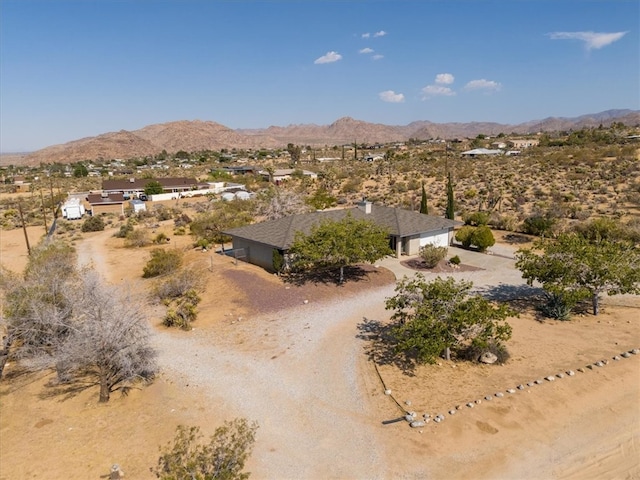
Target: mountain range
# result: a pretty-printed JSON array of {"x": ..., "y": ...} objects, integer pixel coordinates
[{"x": 207, "y": 135}]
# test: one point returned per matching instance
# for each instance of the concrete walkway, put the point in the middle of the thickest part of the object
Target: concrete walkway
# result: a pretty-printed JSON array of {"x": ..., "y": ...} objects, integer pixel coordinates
[{"x": 497, "y": 278}]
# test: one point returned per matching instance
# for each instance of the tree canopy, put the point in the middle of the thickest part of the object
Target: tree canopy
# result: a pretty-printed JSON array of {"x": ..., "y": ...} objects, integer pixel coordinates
[
  {"x": 576, "y": 268},
  {"x": 207, "y": 227},
  {"x": 431, "y": 318},
  {"x": 223, "y": 458},
  {"x": 153, "y": 188},
  {"x": 337, "y": 244}
]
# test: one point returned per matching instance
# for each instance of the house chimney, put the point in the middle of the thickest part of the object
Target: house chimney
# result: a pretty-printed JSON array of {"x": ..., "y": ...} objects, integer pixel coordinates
[
  {"x": 365, "y": 206},
  {"x": 132, "y": 180}
]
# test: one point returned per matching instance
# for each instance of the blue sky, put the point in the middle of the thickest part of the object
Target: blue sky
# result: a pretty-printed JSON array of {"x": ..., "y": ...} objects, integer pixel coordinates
[{"x": 78, "y": 68}]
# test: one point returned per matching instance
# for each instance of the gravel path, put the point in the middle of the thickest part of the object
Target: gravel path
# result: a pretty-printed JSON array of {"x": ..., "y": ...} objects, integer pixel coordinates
[{"x": 297, "y": 374}]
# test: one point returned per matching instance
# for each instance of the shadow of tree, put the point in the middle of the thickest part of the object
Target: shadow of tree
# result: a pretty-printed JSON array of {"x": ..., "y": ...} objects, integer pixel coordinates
[
  {"x": 503, "y": 292},
  {"x": 352, "y": 273},
  {"x": 380, "y": 346}
]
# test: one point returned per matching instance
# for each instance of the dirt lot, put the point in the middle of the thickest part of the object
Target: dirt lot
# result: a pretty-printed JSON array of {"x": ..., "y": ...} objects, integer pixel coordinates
[{"x": 301, "y": 371}]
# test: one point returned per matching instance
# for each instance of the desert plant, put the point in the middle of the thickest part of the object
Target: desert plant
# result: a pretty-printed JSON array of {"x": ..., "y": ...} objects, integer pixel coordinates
[
  {"x": 162, "y": 261},
  {"x": 93, "y": 224},
  {"x": 476, "y": 218},
  {"x": 455, "y": 260},
  {"x": 160, "y": 238},
  {"x": 179, "y": 283},
  {"x": 556, "y": 306},
  {"x": 137, "y": 238},
  {"x": 538, "y": 225},
  {"x": 222, "y": 458},
  {"x": 431, "y": 254},
  {"x": 184, "y": 311}
]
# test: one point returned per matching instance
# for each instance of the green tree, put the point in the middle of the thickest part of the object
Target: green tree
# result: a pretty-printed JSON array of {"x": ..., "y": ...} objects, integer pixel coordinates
[
  {"x": 451, "y": 202},
  {"x": 153, "y": 188},
  {"x": 222, "y": 458},
  {"x": 295, "y": 151},
  {"x": 432, "y": 318},
  {"x": 424, "y": 208},
  {"x": 577, "y": 268},
  {"x": 337, "y": 244},
  {"x": 80, "y": 171}
]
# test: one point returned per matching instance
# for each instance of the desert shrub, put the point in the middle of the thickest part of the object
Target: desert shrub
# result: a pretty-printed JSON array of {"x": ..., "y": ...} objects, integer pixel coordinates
[
  {"x": 160, "y": 238},
  {"x": 483, "y": 238},
  {"x": 162, "y": 261},
  {"x": 431, "y": 254},
  {"x": 222, "y": 458},
  {"x": 163, "y": 213},
  {"x": 538, "y": 225},
  {"x": 182, "y": 220},
  {"x": 556, "y": 306},
  {"x": 183, "y": 312},
  {"x": 124, "y": 230},
  {"x": 180, "y": 231},
  {"x": 93, "y": 224},
  {"x": 137, "y": 238},
  {"x": 278, "y": 261},
  {"x": 179, "y": 283},
  {"x": 464, "y": 236},
  {"x": 455, "y": 260},
  {"x": 476, "y": 218},
  {"x": 502, "y": 222}
]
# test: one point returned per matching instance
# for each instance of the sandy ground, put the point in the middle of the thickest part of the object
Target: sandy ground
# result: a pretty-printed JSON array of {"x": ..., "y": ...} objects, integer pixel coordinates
[{"x": 301, "y": 371}]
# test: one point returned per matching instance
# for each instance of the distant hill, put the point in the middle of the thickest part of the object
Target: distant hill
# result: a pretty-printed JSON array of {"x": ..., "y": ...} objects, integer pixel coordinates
[{"x": 205, "y": 135}]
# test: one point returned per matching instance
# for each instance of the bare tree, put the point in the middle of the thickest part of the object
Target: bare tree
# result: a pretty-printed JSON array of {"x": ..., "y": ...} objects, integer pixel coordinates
[
  {"x": 38, "y": 314},
  {"x": 111, "y": 345},
  {"x": 278, "y": 203}
]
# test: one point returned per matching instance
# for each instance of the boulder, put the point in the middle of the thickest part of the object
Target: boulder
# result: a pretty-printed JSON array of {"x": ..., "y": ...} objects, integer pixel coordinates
[{"x": 488, "y": 358}]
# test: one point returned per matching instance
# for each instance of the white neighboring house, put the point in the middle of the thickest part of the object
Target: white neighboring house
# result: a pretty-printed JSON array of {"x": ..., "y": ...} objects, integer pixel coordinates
[
  {"x": 73, "y": 209},
  {"x": 476, "y": 152}
]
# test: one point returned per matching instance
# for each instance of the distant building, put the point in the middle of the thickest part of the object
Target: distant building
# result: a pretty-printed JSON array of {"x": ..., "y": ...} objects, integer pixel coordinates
[
  {"x": 523, "y": 143},
  {"x": 106, "y": 203},
  {"x": 477, "y": 152}
]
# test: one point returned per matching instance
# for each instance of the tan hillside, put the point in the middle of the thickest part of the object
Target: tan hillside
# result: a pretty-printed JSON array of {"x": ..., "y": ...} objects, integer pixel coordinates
[{"x": 206, "y": 135}]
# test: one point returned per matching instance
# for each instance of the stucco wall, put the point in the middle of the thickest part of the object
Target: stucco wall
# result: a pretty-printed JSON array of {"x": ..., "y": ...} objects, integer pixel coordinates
[{"x": 256, "y": 253}]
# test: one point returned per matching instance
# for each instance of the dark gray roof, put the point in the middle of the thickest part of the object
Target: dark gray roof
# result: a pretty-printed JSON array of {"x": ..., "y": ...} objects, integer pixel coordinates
[
  {"x": 401, "y": 223},
  {"x": 98, "y": 199}
]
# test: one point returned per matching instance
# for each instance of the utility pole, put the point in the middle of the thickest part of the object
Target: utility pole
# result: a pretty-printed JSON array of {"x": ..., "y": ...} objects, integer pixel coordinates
[
  {"x": 44, "y": 213},
  {"x": 24, "y": 227}
]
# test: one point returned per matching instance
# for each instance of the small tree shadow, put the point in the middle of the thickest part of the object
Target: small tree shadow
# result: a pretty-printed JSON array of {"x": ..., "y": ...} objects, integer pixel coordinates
[
  {"x": 65, "y": 390},
  {"x": 329, "y": 276},
  {"x": 380, "y": 346}
]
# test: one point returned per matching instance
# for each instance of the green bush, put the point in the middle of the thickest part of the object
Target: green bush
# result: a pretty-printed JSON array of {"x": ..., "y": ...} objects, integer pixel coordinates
[
  {"x": 431, "y": 255},
  {"x": 125, "y": 229},
  {"x": 161, "y": 262},
  {"x": 455, "y": 260},
  {"x": 481, "y": 237},
  {"x": 477, "y": 219},
  {"x": 538, "y": 225},
  {"x": 93, "y": 224}
]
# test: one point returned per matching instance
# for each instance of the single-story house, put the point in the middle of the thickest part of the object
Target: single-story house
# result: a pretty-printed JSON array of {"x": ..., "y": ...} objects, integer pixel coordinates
[
  {"x": 280, "y": 175},
  {"x": 408, "y": 231},
  {"x": 133, "y": 187},
  {"x": 480, "y": 152},
  {"x": 519, "y": 143},
  {"x": 106, "y": 203}
]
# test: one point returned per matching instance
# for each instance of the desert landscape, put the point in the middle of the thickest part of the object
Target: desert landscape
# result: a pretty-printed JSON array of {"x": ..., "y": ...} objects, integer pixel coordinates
[{"x": 295, "y": 360}]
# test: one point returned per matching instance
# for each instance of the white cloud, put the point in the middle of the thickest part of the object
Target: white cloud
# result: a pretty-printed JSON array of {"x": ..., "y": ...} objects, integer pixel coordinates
[
  {"x": 377, "y": 57},
  {"x": 437, "y": 91},
  {"x": 482, "y": 84},
  {"x": 444, "y": 79},
  {"x": 329, "y": 57},
  {"x": 381, "y": 33},
  {"x": 391, "y": 97},
  {"x": 366, "y": 50},
  {"x": 593, "y": 40},
  {"x": 366, "y": 35}
]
